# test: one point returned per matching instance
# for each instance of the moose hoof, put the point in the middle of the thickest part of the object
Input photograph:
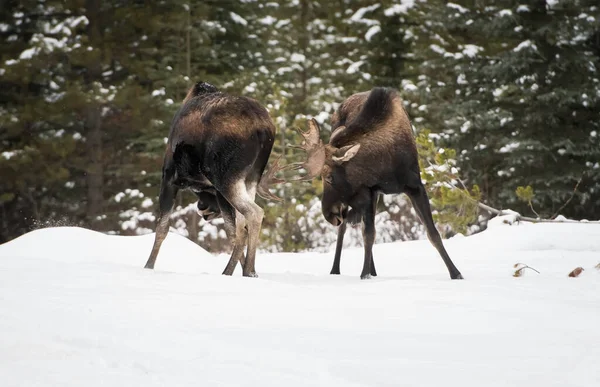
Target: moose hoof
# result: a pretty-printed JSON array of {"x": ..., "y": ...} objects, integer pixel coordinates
[
  {"x": 365, "y": 276},
  {"x": 251, "y": 274},
  {"x": 228, "y": 270},
  {"x": 149, "y": 266},
  {"x": 335, "y": 272},
  {"x": 457, "y": 276}
]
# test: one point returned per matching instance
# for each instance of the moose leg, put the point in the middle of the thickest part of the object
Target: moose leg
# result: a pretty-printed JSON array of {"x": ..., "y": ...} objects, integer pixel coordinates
[
  {"x": 420, "y": 201},
  {"x": 369, "y": 237},
  {"x": 168, "y": 192},
  {"x": 338, "y": 248},
  {"x": 241, "y": 200},
  {"x": 373, "y": 271},
  {"x": 375, "y": 199},
  {"x": 236, "y": 236}
]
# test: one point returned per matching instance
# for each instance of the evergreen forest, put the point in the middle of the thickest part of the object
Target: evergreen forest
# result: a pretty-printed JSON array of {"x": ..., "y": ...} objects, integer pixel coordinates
[{"x": 504, "y": 97}]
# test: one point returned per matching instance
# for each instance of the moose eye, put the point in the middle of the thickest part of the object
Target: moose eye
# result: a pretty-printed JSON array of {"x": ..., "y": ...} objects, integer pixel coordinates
[{"x": 329, "y": 179}]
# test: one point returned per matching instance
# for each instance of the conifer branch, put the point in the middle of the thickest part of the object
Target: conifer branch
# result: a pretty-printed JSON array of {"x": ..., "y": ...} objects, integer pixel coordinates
[{"x": 518, "y": 217}]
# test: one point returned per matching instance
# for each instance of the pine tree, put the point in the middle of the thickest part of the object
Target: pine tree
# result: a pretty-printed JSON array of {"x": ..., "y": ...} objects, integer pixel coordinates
[{"x": 513, "y": 86}]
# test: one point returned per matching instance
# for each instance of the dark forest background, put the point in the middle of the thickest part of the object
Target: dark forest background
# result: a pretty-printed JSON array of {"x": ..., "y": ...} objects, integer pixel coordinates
[{"x": 502, "y": 94}]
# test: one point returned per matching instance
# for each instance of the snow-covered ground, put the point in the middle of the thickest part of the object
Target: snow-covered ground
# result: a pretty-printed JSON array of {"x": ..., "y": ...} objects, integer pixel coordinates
[{"x": 77, "y": 308}]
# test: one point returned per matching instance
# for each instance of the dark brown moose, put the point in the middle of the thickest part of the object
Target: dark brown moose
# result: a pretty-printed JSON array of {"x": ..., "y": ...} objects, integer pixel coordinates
[
  {"x": 218, "y": 147},
  {"x": 371, "y": 151}
]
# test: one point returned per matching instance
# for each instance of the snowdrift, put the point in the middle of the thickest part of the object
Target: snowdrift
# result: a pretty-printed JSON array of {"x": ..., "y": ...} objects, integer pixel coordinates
[{"x": 77, "y": 308}]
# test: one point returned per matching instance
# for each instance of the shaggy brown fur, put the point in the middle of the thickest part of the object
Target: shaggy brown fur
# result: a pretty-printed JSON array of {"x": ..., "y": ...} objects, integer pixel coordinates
[
  {"x": 371, "y": 151},
  {"x": 218, "y": 147}
]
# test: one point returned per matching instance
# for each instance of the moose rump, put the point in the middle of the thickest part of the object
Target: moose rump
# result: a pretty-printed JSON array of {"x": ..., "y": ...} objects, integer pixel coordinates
[{"x": 218, "y": 147}]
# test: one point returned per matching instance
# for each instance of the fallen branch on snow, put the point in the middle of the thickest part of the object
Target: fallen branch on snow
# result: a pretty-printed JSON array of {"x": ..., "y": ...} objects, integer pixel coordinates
[
  {"x": 520, "y": 267},
  {"x": 518, "y": 217}
]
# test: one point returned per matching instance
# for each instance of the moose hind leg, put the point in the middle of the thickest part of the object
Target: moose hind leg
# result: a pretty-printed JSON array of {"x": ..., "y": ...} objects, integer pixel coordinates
[
  {"x": 420, "y": 201},
  {"x": 236, "y": 236},
  {"x": 373, "y": 271},
  {"x": 168, "y": 192},
  {"x": 242, "y": 201},
  {"x": 375, "y": 199},
  {"x": 369, "y": 238}
]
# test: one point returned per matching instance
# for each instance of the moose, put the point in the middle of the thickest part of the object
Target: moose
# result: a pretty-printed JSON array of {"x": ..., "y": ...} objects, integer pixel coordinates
[
  {"x": 218, "y": 147},
  {"x": 371, "y": 151}
]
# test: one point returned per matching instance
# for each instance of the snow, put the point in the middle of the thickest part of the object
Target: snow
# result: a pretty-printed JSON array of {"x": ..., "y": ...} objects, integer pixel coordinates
[
  {"x": 509, "y": 147},
  {"x": 298, "y": 58},
  {"x": 360, "y": 13},
  {"x": 238, "y": 19},
  {"x": 78, "y": 20},
  {"x": 437, "y": 49},
  {"x": 372, "y": 32},
  {"x": 471, "y": 50},
  {"x": 464, "y": 128},
  {"x": 78, "y": 308},
  {"x": 158, "y": 92},
  {"x": 147, "y": 203},
  {"x": 7, "y": 155},
  {"x": 457, "y": 7},
  {"x": 396, "y": 9},
  {"x": 525, "y": 44},
  {"x": 353, "y": 68},
  {"x": 267, "y": 20},
  {"x": 28, "y": 53}
]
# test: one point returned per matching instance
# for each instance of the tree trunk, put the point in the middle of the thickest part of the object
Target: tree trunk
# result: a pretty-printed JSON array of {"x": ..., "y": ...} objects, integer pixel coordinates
[
  {"x": 303, "y": 43},
  {"x": 93, "y": 124},
  {"x": 95, "y": 169}
]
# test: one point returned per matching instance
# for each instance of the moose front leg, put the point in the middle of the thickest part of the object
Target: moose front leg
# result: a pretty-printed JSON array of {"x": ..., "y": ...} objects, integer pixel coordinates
[
  {"x": 369, "y": 238},
  {"x": 338, "y": 248},
  {"x": 374, "y": 200}
]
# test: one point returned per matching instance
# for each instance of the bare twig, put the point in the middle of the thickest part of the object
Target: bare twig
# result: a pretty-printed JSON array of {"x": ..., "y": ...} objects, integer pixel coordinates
[
  {"x": 520, "y": 267},
  {"x": 534, "y": 211},
  {"x": 571, "y": 198}
]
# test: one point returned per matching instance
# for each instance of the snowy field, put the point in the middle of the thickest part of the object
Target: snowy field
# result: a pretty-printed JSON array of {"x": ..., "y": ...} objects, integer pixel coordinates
[{"x": 78, "y": 309}]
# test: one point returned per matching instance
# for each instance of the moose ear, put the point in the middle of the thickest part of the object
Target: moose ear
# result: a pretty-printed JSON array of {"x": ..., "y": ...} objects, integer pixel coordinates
[{"x": 346, "y": 153}]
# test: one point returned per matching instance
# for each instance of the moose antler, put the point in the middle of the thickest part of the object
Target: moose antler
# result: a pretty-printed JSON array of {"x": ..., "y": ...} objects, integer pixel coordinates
[
  {"x": 315, "y": 152},
  {"x": 315, "y": 159},
  {"x": 269, "y": 178}
]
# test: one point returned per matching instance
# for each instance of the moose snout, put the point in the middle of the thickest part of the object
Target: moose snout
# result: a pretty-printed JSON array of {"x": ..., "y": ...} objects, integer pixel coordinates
[
  {"x": 209, "y": 215},
  {"x": 337, "y": 214},
  {"x": 208, "y": 212}
]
